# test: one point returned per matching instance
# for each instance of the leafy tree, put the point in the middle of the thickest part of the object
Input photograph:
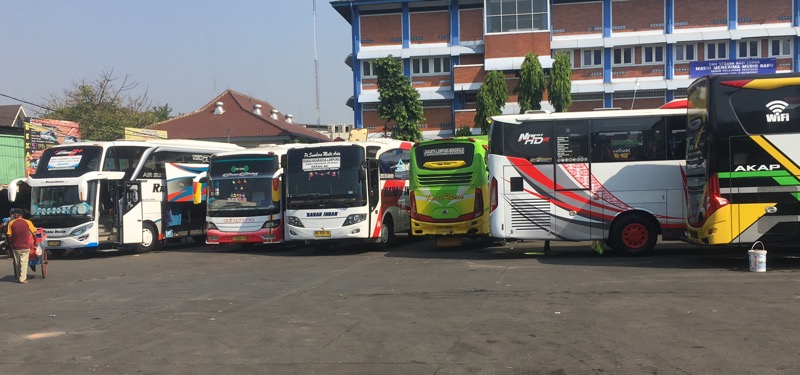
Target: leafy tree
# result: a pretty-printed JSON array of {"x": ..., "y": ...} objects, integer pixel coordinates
[
  {"x": 463, "y": 131},
  {"x": 560, "y": 85},
  {"x": 492, "y": 98},
  {"x": 532, "y": 82},
  {"x": 105, "y": 107},
  {"x": 400, "y": 102}
]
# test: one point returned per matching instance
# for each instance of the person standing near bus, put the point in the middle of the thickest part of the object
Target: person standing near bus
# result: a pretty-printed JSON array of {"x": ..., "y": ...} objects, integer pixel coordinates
[{"x": 21, "y": 234}]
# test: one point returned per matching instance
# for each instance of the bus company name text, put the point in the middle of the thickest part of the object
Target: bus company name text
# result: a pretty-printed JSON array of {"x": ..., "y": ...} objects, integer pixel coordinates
[
  {"x": 321, "y": 154},
  {"x": 239, "y": 220},
  {"x": 533, "y": 138},
  {"x": 443, "y": 197},
  {"x": 322, "y": 214},
  {"x": 240, "y": 174},
  {"x": 757, "y": 168}
]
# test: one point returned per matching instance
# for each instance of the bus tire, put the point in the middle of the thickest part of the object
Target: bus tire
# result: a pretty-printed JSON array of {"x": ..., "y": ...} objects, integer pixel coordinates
[
  {"x": 387, "y": 238},
  {"x": 149, "y": 239},
  {"x": 633, "y": 235}
]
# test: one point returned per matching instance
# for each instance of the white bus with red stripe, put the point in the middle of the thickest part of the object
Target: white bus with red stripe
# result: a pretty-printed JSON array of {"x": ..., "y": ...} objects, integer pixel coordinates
[
  {"x": 347, "y": 191},
  {"x": 244, "y": 199},
  {"x": 614, "y": 175}
]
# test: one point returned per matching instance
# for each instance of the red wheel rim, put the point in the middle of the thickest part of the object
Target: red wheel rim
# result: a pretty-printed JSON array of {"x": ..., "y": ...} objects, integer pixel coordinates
[{"x": 634, "y": 236}]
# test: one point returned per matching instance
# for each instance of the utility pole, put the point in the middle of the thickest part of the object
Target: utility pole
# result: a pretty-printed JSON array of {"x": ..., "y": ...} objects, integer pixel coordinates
[{"x": 316, "y": 61}]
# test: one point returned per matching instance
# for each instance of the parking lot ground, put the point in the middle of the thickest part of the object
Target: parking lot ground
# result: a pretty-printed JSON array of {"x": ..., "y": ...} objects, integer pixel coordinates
[{"x": 416, "y": 309}]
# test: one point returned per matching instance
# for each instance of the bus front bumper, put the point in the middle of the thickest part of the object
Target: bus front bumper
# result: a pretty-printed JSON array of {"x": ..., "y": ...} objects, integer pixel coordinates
[
  {"x": 357, "y": 231},
  {"x": 262, "y": 236},
  {"x": 476, "y": 227}
]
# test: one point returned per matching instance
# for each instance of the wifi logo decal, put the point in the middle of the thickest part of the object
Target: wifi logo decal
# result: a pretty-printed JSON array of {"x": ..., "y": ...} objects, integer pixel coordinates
[{"x": 777, "y": 107}]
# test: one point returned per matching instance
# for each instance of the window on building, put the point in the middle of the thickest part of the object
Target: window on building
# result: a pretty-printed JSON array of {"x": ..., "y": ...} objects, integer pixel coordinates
[
  {"x": 623, "y": 56},
  {"x": 685, "y": 52},
  {"x": 780, "y": 47},
  {"x": 592, "y": 57},
  {"x": 430, "y": 65},
  {"x": 716, "y": 51},
  {"x": 516, "y": 15},
  {"x": 652, "y": 54},
  {"x": 749, "y": 49},
  {"x": 367, "y": 70},
  {"x": 568, "y": 52}
]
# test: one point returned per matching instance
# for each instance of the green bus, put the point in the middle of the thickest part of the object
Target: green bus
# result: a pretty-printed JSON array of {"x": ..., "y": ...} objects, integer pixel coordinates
[{"x": 449, "y": 187}]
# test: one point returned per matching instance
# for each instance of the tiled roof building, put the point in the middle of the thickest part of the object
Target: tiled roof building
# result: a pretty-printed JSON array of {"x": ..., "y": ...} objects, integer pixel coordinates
[
  {"x": 237, "y": 118},
  {"x": 12, "y": 115}
]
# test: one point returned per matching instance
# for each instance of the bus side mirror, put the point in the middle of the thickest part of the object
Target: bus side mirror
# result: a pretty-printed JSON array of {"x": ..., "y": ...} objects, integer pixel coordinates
[
  {"x": 13, "y": 189},
  {"x": 83, "y": 190},
  {"x": 197, "y": 187},
  {"x": 283, "y": 161},
  {"x": 362, "y": 174}
]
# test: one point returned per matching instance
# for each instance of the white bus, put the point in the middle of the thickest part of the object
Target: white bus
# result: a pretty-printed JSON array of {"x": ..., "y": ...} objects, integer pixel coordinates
[
  {"x": 614, "y": 175},
  {"x": 244, "y": 196},
  {"x": 114, "y": 194},
  {"x": 347, "y": 191}
]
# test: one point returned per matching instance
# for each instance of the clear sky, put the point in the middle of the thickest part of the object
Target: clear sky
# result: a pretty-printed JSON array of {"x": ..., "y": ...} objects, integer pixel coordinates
[{"x": 183, "y": 53}]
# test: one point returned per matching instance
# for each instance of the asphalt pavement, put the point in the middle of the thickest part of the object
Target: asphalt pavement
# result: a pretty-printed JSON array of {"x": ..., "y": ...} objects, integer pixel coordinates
[{"x": 415, "y": 309}]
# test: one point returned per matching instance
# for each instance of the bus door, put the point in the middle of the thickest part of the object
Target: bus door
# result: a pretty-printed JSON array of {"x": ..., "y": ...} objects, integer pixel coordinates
[
  {"x": 574, "y": 200},
  {"x": 131, "y": 208},
  {"x": 108, "y": 217},
  {"x": 527, "y": 181},
  {"x": 373, "y": 181}
]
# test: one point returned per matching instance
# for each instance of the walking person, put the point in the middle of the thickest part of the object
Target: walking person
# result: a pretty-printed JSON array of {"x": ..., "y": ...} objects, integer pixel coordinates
[{"x": 21, "y": 234}]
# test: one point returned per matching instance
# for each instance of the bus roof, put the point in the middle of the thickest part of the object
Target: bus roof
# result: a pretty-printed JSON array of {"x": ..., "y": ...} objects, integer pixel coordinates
[
  {"x": 518, "y": 119},
  {"x": 260, "y": 150},
  {"x": 181, "y": 143},
  {"x": 383, "y": 143}
]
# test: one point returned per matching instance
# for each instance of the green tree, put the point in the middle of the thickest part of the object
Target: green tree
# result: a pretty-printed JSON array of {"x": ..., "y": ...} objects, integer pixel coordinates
[
  {"x": 492, "y": 98},
  {"x": 400, "y": 105},
  {"x": 105, "y": 107},
  {"x": 532, "y": 82},
  {"x": 560, "y": 84},
  {"x": 464, "y": 131}
]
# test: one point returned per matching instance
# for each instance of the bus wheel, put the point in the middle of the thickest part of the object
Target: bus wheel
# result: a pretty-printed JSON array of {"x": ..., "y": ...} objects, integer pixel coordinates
[
  {"x": 633, "y": 235},
  {"x": 387, "y": 233},
  {"x": 149, "y": 239}
]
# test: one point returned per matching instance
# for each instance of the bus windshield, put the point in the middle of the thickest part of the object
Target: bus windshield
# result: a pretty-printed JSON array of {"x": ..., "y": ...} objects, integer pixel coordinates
[
  {"x": 68, "y": 161},
  {"x": 62, "y": 201},
  {"x": 243, "y": 185},
  {"x": 325, "y": 177}
]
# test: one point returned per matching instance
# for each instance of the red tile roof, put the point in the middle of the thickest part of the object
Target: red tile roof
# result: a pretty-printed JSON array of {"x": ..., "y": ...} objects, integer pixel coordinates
[{"x": 238, "y": 118}]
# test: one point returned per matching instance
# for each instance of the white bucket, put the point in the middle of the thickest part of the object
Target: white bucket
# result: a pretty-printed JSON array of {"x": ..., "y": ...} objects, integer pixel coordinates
[{"x": 758, "y": 258}]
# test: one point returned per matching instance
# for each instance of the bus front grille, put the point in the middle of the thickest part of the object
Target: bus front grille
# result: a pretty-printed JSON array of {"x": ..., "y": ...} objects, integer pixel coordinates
[
  {"x": 530, "y": 214},
  {"x": 445, "y": 179}
]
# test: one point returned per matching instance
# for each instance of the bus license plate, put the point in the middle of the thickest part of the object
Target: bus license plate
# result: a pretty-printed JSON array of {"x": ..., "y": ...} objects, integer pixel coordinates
[
  {"x": 239, "y": 238},
  {"x": 53, "y": 243},
  {"x": 322, "y": 233}
]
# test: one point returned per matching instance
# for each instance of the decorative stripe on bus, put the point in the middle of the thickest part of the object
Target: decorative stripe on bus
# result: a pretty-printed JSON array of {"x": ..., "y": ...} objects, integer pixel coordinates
[{"x": 525, "y": 169}]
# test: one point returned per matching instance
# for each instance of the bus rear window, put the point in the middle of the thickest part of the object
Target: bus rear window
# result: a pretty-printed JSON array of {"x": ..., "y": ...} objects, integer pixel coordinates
[
  {"x": 768, "y": 111},
  {"x": 444, "y": 155}
]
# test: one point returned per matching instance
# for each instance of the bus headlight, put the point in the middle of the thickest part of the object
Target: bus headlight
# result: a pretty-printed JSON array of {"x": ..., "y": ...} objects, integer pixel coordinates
[
  {"x": 210, "y": 225},
  {"x": 82, "y": 230},
  {"x": 354, "y": 219},
  {"x": 294, "y": 221},
  {"x": 271, "y": 224}
]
